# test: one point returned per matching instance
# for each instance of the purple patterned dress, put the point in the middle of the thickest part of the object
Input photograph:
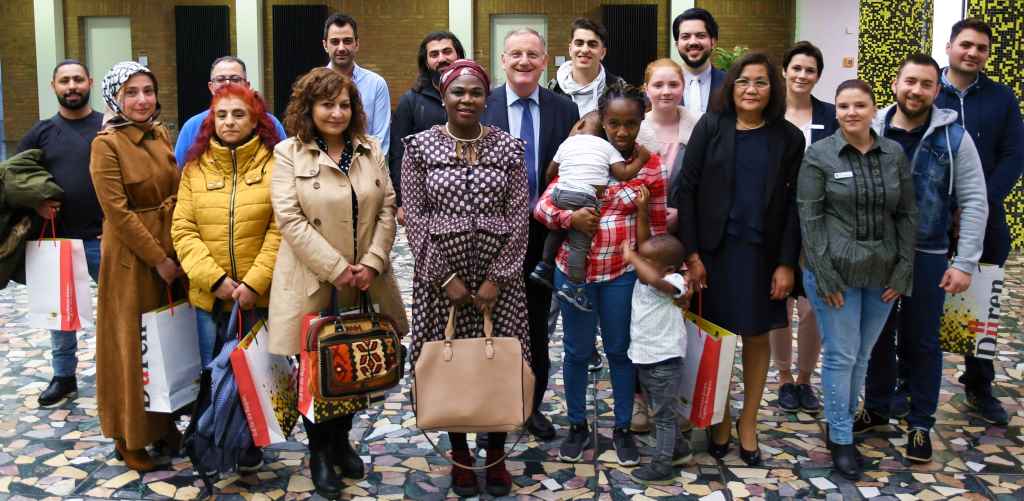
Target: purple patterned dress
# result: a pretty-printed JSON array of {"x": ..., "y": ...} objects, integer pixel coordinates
[{"x": 467, "y": 219}]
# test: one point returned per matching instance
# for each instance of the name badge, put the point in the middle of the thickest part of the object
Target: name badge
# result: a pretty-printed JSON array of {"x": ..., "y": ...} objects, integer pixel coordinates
[
  {"x": 817, "y": 126},
  {"x": 843, "y": 175}
]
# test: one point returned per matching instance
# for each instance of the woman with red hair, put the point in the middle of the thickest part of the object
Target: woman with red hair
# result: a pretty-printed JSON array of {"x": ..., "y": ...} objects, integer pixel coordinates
[{"x": 223, "y": 228}]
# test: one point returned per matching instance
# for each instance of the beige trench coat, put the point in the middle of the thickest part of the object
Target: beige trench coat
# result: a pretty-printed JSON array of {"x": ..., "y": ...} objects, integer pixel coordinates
[{"x": 312, "y": 200}]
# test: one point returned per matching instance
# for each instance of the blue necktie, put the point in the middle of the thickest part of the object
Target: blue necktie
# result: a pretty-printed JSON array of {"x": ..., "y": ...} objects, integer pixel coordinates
[{"x": 526, "y": 134}]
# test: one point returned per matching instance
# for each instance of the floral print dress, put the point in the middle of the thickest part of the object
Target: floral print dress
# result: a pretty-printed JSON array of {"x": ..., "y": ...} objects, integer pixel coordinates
[{"x": 470, "y": 220}]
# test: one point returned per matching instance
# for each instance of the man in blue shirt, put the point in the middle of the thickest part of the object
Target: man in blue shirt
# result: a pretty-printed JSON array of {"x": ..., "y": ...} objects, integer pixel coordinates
[
  {"x": 223, "y": 71},
  {"x": 989, "y": 112},
  {"x": 341, "y": 43}
]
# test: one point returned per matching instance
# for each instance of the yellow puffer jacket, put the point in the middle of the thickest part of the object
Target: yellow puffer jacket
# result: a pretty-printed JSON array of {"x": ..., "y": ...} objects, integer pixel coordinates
[{"x": 224, "y": 224}]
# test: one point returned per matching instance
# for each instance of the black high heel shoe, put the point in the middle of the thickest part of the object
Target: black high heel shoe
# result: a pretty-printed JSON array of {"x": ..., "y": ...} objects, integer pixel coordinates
[
  {"x": 752, "y": 458},
  {"x": 717, "y": 451}
]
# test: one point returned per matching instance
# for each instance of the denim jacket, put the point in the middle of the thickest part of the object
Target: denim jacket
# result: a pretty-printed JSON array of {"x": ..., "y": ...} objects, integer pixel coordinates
[{"x": 947, "y": 174}]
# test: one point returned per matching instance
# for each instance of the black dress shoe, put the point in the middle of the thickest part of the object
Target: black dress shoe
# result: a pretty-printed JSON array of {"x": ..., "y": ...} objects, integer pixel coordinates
[
  {"x": 59, "y": 389},
  {"x": 752, "y": 458},
  {"x": 540, "y": 426},
  {"x": 325, "y": 481},
  {"x": 341, "y": 453},
  {"x": 844, "y": 458},
  {"x": 717, "y": 451}
]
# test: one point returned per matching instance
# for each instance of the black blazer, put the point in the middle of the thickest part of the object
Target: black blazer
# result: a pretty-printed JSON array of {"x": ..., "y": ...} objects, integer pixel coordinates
[
  {"x": 706, "y": 188},
  {"x": 557, "y": 117},
  {"x": 418, "y": 110},
  {"x": 823, "y": 114}
]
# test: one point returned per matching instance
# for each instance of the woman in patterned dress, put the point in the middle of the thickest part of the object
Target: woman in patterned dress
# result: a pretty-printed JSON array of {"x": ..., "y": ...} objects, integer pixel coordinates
[{"x": 466, "y": 209}]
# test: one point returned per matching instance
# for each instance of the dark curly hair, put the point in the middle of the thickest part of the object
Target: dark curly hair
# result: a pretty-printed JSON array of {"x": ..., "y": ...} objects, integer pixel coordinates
[
  {"x": 776, "y": 108},
  {"x": 317, "y": 85},
  {"x": 620, "y": 90}
]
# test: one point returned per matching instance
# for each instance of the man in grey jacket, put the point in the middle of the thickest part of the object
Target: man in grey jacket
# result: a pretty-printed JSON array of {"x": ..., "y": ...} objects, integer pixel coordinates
[{"x": 947, "y": 174}]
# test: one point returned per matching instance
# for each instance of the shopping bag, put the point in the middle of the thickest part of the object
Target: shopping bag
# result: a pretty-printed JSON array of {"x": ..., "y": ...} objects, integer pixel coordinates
[
  {"x": 707, "y": 371},
  {"x": 170, "y": 357},
  {"x": 970, "y": 320},
  {"x": 58, "y": 285},
  {"x": 266, "y": 386}
]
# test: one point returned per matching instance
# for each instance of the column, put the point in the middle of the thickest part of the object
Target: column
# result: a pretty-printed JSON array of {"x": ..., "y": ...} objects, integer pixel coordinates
[
  {"x": 249, "y": 39},
  {"x": 48, "y": 17},
  {"x": 460, "y": 22},
  {"x": 676, "y": 7}
]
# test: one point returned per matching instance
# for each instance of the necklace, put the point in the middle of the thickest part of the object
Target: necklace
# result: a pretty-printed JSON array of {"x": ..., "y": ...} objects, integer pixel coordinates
[
  {"x": 741, "y": 125},
  {"x": 466, "y": 148}
]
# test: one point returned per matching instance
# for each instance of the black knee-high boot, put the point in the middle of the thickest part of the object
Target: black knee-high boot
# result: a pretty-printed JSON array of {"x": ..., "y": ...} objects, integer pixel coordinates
[
  {"x": 321, "y": 471},
  {"x": 342, "y": 454}
]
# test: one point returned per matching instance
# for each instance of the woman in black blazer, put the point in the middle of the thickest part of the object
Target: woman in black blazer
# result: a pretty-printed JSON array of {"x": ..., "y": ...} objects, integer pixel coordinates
[
  {"x": 738, "y": 221},
  {"x": 802, "y": 65}
]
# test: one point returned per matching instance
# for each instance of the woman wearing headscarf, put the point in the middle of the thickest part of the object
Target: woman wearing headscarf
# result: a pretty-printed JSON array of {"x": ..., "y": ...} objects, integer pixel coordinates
[
  {"x": 466, "y": 203},
  {"x": 136, "y": 181}
]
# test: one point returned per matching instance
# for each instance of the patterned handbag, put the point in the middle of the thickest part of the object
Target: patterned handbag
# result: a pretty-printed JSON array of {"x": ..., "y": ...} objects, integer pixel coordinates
[{"x": 348, "y": 360}]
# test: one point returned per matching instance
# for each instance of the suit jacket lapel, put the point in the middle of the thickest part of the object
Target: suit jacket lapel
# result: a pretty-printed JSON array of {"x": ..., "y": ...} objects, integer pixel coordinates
[
  {"x": 547, "y": 124},
  {"x": 496, "y": 113}
]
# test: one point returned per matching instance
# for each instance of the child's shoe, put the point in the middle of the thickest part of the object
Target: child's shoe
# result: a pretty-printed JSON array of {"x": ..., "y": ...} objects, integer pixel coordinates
[
  {"x": 543, "y": 274},
  {"x": 575, "y": 295}
]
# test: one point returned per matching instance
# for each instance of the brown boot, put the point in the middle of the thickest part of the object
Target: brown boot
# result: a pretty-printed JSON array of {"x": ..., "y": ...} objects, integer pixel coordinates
[{"x": 137, "y": 459}]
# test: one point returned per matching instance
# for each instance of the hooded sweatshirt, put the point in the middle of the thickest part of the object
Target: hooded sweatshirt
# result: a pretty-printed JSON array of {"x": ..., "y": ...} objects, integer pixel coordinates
[
  {"x": 943, "y": 180},
  {"x": 585, "y": 96}
]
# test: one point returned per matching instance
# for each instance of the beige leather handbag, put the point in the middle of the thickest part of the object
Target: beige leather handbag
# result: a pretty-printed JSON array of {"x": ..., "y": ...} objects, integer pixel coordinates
[{"x": 472, "y": 385}]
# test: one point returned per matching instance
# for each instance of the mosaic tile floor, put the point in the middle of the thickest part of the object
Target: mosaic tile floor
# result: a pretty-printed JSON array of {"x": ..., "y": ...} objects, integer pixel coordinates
[{"x": 60, "y": 453}]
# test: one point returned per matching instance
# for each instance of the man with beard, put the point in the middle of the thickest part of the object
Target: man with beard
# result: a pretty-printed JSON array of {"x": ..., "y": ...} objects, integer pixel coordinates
[
  {"x": 525, "y": 109},
  {"x": 947, "y": 173},
  {"x": 420, "y": 107},
  {"x": 224, "y": 70},
  {"x": 66, "y": 141},
  {"x": 341, "y": 43},
  {"x": 989, "y": 112},
  {"x": 696, "y": 34}
]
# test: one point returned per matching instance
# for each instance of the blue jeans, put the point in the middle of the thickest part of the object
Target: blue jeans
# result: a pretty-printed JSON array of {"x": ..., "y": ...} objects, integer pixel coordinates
[
  {"x": 612, "y": 303},
  {"x": 206, "y": 327},
  {"x": 918, "y": 326},
  {"x": 848, "y": 334},
  {"x": 64, "y": 344}
]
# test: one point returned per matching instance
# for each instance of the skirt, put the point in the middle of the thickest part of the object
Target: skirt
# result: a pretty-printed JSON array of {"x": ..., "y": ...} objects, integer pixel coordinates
[{"x": 738, "y": 296}]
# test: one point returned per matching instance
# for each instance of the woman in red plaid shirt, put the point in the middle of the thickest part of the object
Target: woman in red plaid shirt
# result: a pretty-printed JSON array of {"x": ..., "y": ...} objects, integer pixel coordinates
[{"x": 628, "y": 209}]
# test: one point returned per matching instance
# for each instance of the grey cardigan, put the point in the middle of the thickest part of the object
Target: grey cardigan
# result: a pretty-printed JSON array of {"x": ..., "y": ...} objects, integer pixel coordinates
[{"x": 858, "y": 215}]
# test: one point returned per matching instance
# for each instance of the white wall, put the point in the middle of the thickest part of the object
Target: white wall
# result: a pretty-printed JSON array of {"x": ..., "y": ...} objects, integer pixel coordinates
[
  {"x": 832, "y": 25},
  {"x": 946, "y": 14}
]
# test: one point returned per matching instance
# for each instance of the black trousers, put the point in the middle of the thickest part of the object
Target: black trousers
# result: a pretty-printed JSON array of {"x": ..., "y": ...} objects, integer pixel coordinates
[{"x": 538, "y": 302}]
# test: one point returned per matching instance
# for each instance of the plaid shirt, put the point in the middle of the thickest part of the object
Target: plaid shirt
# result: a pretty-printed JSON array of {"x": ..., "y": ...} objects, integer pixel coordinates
[{"x": 617, "y": 224}]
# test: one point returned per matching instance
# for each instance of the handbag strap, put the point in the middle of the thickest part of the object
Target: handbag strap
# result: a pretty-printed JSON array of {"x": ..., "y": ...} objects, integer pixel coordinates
[{"x": 449, "y": 329}]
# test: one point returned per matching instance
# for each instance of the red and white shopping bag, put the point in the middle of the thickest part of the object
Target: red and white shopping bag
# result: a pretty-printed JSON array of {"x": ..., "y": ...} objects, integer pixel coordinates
[
  {"x": 57, "y": 278},
  {"x": 707, "y": 371},
  {"x": 266, "y": 387}
]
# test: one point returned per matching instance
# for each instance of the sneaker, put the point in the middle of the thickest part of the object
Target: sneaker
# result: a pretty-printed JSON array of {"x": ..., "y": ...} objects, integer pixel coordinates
[
  {"x": 571, "y": 450},
  {"x": 808, "y": 399},
  {"x": 250, "y": 460},
  {"x": 683, "y": 455},
  {"x": 641, "y": 420},
  {"x": 867, "y": 420},
  {"x": 654, "y": 473},
  {"x": 625, "y": 447},
  {"x": 919, "y": 445},
  {"x": 899, "y": 407},
  {"x": 575, "y": 295},
  {"x": 789, "y": 397},
  {"x": 543, "y": 274},
  {"x": 59, "y": 389},
  {"x": 988, "y": 408},
  {"x": 596, "y": 363}
]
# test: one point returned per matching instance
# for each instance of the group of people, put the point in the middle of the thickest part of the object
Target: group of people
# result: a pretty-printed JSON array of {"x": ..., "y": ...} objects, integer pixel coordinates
[{"x": 739, "y": 186}]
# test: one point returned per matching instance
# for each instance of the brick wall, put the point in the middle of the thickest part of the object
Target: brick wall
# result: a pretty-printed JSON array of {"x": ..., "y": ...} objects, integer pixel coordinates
[
  {"x": 560, "y": 16},
  {"x": 18, "y": 56},
  {"x": 152, "y": 35},
  {"x": 766, "y": 25},
  {"x": 389, "y": 37}
]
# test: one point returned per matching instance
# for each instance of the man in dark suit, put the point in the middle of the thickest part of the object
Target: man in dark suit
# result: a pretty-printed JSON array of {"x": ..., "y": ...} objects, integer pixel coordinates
[
  {"x": 528, "y": 111},
  {"x": 696, "y": 34}
]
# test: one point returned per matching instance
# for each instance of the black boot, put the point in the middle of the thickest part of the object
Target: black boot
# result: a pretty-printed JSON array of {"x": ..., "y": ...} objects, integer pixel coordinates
[
  {"x": 59, "y": 389},
  {"x": 342, "y": 454},
  {"x": 844, "y": 458},
  {"x": 325, "y": 481}
]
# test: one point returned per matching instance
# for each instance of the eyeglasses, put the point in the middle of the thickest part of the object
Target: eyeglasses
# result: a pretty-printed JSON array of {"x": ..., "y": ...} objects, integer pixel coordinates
[
  {"x": 221, "y": 79},
  {"x": 743, "y": 83}
]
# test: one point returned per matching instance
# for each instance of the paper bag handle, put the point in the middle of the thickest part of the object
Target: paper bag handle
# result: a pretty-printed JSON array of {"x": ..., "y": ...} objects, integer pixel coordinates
[{"x": 52, "y": 221}]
